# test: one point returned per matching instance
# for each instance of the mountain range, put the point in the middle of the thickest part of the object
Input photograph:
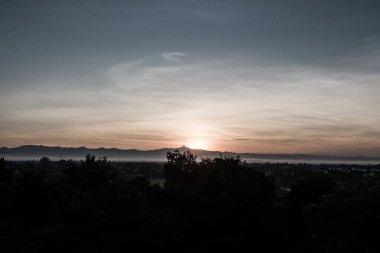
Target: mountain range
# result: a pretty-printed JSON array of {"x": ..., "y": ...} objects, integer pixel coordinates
[{"x": 35, "y": 152}]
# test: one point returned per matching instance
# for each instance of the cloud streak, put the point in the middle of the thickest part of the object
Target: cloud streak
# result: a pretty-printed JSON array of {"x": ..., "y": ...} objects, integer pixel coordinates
[
  {"x": 277, "y": 108},
  {"x": 257, "y": 76},
  {"x": 173, "y": 57}
]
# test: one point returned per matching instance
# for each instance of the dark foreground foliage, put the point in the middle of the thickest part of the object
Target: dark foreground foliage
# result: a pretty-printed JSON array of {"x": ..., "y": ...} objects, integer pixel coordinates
[{"x": 214, "y": 205}]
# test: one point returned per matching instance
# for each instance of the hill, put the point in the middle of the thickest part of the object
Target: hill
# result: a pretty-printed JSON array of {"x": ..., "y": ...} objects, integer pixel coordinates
[{"x": 35, "y": 152}]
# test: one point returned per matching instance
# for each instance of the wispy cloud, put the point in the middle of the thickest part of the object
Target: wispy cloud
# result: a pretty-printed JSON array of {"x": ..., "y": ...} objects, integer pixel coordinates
[
  {"x": 173, "y": 57},
  {"x": 235, "y": 105}
]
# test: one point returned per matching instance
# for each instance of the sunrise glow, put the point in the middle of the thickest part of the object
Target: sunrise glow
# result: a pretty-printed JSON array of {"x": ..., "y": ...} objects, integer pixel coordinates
[
  {"x": 198, "y": 144},
  {"x": 241, "y": 76}
]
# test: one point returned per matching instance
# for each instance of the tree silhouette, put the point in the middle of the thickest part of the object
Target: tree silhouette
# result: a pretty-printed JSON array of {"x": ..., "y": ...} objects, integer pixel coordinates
[
  {"x": 347, "y": 220},
  {"x": 218, "y": 202},
  {"x": 211, "y": 205},
  {"x": 5, "y": 173},
  {"x": 181, "y": 168}
]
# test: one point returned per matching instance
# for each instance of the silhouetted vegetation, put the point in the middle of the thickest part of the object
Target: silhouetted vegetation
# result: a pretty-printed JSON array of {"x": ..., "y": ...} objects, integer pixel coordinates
[{"x": 206, "y": 205}]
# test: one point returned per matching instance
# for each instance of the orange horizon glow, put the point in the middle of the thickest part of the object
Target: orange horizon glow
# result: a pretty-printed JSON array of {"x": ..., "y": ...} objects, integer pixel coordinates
[{"x": 198, "y": 144}]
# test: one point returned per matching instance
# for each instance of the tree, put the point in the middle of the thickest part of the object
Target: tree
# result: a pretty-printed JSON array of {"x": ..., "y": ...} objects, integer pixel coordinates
[
  {"x": 5, "y": 173},
  {"x": 45, "y": 161},
  {"x": 91, "y": 174},
  {"x": 181, "y": 168},
  {"x": 219, "y": 203},
  {"x": 347, "y": 220}
]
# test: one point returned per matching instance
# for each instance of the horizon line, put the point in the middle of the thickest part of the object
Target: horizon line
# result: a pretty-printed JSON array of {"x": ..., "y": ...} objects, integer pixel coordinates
[{"x": 184, "y": 146}]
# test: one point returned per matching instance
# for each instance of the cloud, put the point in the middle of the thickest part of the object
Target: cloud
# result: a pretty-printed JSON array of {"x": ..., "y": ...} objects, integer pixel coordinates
[
  {"x": 173, "y": 57},
  {"x": 249, "y": 106}
]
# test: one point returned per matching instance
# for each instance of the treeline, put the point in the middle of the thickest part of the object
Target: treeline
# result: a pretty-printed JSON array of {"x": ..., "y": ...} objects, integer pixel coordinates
[{"x": 207, "y": 206}]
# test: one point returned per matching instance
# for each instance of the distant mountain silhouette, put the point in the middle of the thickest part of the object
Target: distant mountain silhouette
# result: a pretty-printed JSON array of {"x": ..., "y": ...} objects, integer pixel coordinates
[
  {"x": 37, "y": 151},
  {"x": 34, "y": 152}
]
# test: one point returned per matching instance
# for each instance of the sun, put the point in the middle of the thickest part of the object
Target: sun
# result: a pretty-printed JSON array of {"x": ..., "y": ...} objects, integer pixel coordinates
[{"x": 197, "y": 144}]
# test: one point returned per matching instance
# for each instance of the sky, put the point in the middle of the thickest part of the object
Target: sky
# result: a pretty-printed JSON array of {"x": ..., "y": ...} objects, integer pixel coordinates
[{"x": 263, "y": 76}]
